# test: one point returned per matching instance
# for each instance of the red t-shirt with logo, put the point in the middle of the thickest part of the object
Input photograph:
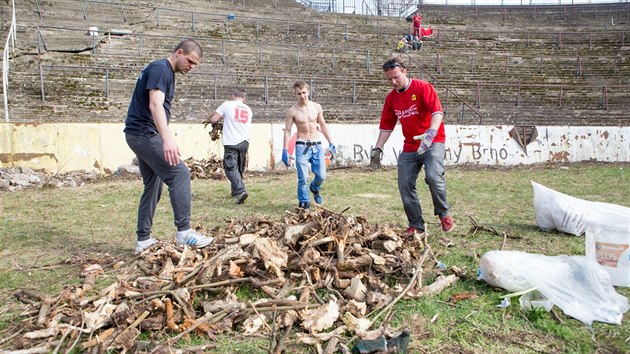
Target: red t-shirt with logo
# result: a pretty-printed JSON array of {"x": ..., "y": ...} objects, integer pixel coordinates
[
  {"x": 417, "y": 19},
  {"x": 413, "y": 108}
]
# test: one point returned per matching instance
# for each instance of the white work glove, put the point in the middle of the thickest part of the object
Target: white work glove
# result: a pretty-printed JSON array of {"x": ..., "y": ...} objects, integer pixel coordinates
[{"x": 426, "y": 140}]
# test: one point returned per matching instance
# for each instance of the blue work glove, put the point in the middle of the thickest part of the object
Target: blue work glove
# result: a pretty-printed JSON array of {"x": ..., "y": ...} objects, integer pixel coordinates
[
  {"x": 332, "y": 148},
  {"x": 426, "y": 140},
  {"x": 285, "y": 157}
]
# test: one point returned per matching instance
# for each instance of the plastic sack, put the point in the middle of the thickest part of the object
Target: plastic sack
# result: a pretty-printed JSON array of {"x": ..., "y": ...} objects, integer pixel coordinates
[
  {"x": 558, "y": 211},
  {"x": 535, "y": 300},
  {"x": 576, "y": 284},
  {"x": 611, "y": 249}
]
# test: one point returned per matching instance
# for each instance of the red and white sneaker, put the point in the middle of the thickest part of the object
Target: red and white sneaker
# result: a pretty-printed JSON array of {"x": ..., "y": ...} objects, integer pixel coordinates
[
  {"x": 447, "y": 223},
  {"x": 412, "y": 230}
]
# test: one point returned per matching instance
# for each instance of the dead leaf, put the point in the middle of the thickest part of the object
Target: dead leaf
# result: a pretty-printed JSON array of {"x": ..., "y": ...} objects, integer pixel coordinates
[
  {"x": 253, "y": 323},
  {"x": 235, "y": 270},
  {"x": 317, "y": 320},
  {"x": 356, "y": 324},
  {"x": 463, "y": 296},
  {"x": 270, "y": 252}
]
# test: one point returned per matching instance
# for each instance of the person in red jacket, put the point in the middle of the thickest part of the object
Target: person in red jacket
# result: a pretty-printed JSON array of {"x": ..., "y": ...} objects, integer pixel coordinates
[
  {"x": 417, "y": 21},
  {"x": 415, "y": 104}
]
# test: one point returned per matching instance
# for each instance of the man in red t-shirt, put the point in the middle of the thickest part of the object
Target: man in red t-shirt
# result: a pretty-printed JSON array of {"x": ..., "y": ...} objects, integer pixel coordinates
[
  {"x": 415, "y": 104},
  {"x": 417, "y": 20}
]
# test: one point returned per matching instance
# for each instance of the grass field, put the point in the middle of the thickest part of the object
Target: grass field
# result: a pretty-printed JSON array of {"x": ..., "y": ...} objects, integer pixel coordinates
[{"x": 46, "y": 233}]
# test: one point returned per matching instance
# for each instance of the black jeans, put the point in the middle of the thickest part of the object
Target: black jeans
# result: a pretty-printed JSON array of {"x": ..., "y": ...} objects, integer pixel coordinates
[
  {"x": 234, "y": 162},
  {"x": 155, "y": 170}
]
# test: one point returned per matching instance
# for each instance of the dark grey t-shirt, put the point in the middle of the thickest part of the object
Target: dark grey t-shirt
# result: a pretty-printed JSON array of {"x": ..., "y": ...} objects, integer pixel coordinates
[{"x": 157, "y": 75}]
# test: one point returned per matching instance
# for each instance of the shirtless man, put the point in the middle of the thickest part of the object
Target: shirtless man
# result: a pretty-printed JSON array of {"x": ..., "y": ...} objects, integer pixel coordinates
[{"x": 309, "y": 121}]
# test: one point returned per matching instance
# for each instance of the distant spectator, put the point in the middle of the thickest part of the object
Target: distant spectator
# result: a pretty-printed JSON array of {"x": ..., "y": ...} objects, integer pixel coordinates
[
  {"x": 416, "y": 44},
  {"x": 403, "y": 45},
  {"x": 417, "y": 23}
]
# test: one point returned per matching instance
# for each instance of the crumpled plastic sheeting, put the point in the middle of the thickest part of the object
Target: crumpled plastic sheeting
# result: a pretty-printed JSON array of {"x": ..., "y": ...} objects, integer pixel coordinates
[
  {"x": 558, "y": 211},
  {"x": 578, "y": 285}
]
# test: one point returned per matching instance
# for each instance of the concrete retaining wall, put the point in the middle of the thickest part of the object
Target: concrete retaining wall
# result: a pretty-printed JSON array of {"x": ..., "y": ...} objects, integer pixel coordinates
[{"x": 63, "y": 147}]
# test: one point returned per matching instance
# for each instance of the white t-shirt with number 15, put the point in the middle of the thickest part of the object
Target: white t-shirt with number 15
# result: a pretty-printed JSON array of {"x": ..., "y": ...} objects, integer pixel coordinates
[{"x": 237, "y": 118}]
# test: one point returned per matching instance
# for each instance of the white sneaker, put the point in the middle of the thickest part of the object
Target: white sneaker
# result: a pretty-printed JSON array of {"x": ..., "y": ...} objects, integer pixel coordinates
[
  {"x": 192, "y": 238},
  {"x": 143, "y": 245}
]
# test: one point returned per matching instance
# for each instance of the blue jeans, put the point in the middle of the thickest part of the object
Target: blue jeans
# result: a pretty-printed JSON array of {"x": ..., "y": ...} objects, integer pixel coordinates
[
  {"x": 155, "y": 171},
  {"x": 315, "y": 156},
  {"x": 409, "y": 166}
]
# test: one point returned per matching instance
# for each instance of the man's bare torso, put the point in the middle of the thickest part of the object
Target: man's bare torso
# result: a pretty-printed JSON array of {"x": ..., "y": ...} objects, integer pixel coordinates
[{"x": 306, "y": 120}]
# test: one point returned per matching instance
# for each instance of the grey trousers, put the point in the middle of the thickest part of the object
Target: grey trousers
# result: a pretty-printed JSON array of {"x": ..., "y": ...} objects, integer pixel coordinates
[
  {"x": 234, "y": 162},
  {"x": 409, "y": 166},
  {"x": 154, "y": 171}
]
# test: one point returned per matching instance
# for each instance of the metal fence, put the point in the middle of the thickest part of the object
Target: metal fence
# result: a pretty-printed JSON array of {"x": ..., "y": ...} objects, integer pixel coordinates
[
  {"x": 399, "y": 8},
  {"x": 403, "y": 8},
  {"x": 198, "y": 21},
  {"x": 120, "y": 45},
  {"x": 97, "y": 81},
  {"x": 270, "y": 94},
  {"x": 9, "y": 46},
  {"x": 269, "y": 90}
]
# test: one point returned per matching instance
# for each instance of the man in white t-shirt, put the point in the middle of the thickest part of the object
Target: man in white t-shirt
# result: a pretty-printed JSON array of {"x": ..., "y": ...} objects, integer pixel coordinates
[{"x": 237, "y": 119}]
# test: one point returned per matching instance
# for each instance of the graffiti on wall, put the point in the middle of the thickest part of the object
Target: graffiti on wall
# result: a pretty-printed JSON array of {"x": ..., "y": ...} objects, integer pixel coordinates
[
  {"x": 357, "y": 153},
  {"x": 62, "y": 147},
  {"x": 492, "y": 145}
]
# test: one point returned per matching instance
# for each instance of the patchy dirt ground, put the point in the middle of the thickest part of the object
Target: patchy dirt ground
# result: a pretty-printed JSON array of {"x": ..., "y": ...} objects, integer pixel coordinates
[{"x": 18, "y": 178}]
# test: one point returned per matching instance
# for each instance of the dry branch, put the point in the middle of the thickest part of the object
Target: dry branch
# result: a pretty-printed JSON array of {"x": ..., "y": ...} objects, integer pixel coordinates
[{"x": 321, "y": 269}]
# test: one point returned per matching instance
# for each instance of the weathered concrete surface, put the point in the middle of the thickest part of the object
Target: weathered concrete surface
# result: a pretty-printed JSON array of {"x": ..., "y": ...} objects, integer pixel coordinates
[
  {"x": 487, "y": 145},
  {"x": 64, "y": 147}
]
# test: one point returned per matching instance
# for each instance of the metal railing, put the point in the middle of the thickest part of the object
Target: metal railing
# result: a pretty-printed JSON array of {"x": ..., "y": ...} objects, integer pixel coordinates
[
  {"x": 8, "y": 46},
  {"x": 198, "y": 20},
  {"x": 398, "y": 8},
  {"x": 524, "y": 11},
  {"x": 260, "y": 52},
  {"x": 493, "y": 67},
  {"x": 273, "y": 92},
  {"x": 210, "y": 82},
  {"x": 554, "y": 94},
  {"x": 556, "y": 39},
  {"x": 519, "y": 3}
]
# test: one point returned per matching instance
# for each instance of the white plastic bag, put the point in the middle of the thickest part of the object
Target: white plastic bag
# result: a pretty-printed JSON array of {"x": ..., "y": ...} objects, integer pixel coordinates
[
  {"x": 535, "y": 300},
  {"x": 576, "y": 284},
  {"x": 611, "y": 249},
  {"x": 558, "y": 211}
]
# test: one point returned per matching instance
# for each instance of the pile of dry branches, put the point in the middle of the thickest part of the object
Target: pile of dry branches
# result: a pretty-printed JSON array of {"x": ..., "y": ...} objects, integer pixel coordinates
[
  {"x": 334, "y": 278},
  {"x": 211, "y": 168}
]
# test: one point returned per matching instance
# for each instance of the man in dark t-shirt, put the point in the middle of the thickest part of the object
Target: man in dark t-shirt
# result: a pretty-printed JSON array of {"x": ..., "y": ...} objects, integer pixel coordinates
[
  {"x": 157, "y": 75},
  {"x": 148, "y": 135},
  {"x": 415, "y": 104}
]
